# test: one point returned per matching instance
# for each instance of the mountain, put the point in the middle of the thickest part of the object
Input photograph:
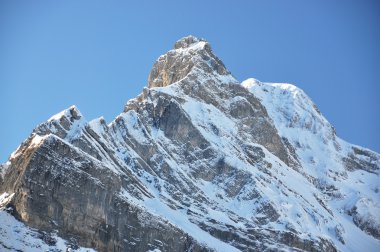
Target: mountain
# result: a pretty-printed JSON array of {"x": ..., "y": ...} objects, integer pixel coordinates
[{"x": 196, "y": 162}]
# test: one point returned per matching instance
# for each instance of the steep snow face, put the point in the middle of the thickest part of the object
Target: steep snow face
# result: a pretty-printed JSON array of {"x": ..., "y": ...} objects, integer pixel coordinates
[
  {"x": 219, "y": 165},
  {"x": 291, "y": 107},
  {"x": 349, "y": 190}
]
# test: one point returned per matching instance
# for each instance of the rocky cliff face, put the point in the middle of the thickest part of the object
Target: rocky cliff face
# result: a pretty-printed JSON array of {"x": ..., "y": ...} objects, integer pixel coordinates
[{"x": 198, "y": 162}]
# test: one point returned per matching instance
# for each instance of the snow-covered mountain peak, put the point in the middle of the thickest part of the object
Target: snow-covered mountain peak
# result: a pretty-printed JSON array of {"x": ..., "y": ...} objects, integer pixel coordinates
[
  {"x": 65, "y": 124},
  {"x": 71, "y": 113},
  {"x": 199, "y": 157},
  {"x": 248, "y": 83}
]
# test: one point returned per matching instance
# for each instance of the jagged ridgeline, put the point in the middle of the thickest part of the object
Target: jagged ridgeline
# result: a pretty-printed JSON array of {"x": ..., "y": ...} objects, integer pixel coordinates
[{"x": 197, "y": 162}]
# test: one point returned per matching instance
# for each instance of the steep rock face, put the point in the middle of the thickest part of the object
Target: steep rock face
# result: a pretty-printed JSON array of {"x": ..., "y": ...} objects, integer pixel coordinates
[
  {"x": 198, "y": 162},
  {"x": 63, "y": 188}
]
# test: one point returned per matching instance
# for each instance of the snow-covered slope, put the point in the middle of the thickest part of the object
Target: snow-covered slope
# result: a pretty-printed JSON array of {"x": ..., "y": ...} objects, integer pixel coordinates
[
  {"x": 346, "y": 176},
  {"x": 199, "y": 162}
]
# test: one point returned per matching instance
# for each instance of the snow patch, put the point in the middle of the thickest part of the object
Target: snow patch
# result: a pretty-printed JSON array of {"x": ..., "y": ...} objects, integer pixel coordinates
[
  {"x": 65, "y": 113},
  {"x": 5, "y": 198}
]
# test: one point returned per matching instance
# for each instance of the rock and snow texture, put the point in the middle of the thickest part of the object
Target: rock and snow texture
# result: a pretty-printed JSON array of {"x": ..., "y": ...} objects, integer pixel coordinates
[
  {"x": 15, "y": 236},
  {"x": 197, "y": 162}
]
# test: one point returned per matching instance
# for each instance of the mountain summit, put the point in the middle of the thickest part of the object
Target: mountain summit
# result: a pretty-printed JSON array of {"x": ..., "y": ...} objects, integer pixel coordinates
[
  {"x": 196, "y": 162},
  {"x": 191, "y": 56}
]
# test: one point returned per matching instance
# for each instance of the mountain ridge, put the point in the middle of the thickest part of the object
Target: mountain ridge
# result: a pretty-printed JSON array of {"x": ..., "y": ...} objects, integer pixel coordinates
[{"x": 223, "y": 166}]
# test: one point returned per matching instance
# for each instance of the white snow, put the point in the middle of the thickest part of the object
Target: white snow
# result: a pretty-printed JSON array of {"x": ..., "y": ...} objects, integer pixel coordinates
[
  {"x": 320, "y": 152},
  {"x": 5, "y": 198},
  {"x": 179, "y": 219},
  {"x": 369, "y": 212},
  {"x": 37, "y": 140},
  {"x": 65, "y": 112}
]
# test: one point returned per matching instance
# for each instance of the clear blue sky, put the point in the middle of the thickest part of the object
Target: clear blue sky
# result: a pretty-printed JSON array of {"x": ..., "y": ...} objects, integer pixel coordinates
[{"x": 98, "y": 54}]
